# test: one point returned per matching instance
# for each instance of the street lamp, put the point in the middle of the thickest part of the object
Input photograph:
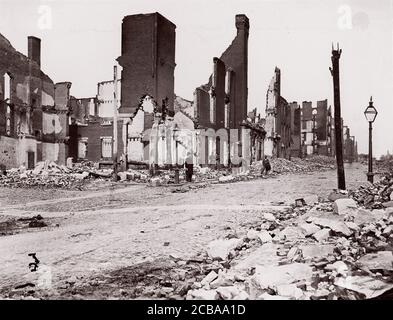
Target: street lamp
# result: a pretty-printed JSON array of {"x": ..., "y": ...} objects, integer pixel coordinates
[
  {"x": 314, "y": 114},
  {"x": 370, "y": 113}
]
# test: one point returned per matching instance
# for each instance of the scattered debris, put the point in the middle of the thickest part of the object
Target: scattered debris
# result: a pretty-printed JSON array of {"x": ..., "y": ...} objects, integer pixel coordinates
[
  {"x": 221, "y": 248},
  {"x": 373, "y": 196},
  {"x": 300, "y": 202},
  {"x": 344, "y": 206},
  {"x": 382, "y": 260},
  {"x": 48, "y": 174}
]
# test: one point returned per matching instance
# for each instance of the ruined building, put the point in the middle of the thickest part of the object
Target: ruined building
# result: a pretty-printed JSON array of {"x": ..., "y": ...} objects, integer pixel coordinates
[
  {"x": 148, "y": 62},
  {"x": 278, "y": 120},
  {"x": 296, "y": 137},
  {"x": 297, "y": 131},
  {"x": 307, "y": 128},
  {"x": 350, "y": 146},
  {"x": 33, "y": 110},
  {"x": 324, "y": 123},
  {"x": 317, "y": 129},
  {"x": 145, "y": 98},
  {"x": 256, "y": 126},
  {"x": 221, "y": 104}
]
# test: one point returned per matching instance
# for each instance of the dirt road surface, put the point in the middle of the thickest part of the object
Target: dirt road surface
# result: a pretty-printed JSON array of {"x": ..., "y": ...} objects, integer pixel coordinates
[{"x": 90, "y": 234}]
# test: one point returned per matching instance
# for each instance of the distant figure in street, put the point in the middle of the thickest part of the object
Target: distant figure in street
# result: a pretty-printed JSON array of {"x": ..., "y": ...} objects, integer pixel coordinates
[
  {"x": 266, "y": 166},
  {"x": 189, "y": 167}
]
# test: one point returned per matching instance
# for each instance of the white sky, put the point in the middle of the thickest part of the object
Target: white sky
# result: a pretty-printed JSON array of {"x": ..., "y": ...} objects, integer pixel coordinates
[{"x": 85, "y": 38}]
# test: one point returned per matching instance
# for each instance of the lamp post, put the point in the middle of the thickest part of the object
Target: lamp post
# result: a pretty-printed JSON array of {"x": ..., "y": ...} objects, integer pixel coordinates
[
  {"x": 370, "y": 113},
  {"x": 314, "y": 114}
]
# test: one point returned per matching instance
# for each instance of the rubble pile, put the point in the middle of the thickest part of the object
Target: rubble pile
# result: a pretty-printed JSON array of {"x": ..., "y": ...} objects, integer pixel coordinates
[
  {"x": 333, "y": 250},
  {"x": 11, "y": 225},
  {"x": 297, "y": 165},
  {"x": 375, "y": 196},
  {"x": 48, "y": 174},
  {"x": 279, "y": 165},
  {"x": 384, "y": 166},
  {"x": 138, "y": 176},
  {"x": 207, "y": 174}
]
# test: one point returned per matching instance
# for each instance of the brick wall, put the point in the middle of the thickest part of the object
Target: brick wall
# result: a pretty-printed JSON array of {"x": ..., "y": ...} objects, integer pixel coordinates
[
  {"x": 202, "y": 106},
  {"x": 93, "y": 132},
  {"x": 148, "y": 60},
  {"x": 236, "y": 58},
  {"x": 62, "y": 95},
  {"x": 307, "y": 110},
  {"x": 8, "y": 152},
  {"x": 321, "y": 120},
  {"x": 220, "y": 94},
  {"x": 33, "y": 94}
]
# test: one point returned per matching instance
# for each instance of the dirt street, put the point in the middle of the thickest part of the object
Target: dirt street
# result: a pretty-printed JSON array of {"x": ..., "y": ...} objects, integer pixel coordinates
[{"x": 93, "y": 234}]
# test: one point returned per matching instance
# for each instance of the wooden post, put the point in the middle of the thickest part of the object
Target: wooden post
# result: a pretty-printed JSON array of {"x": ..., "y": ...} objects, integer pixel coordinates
[{"x": 337, "y": 117}]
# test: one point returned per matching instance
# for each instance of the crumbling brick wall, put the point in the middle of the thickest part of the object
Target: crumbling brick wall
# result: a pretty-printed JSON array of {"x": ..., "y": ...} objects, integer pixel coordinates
[
  {"x": 8, "y": 152},
  {"x": 278, "y": 138},
  {"x": 82, "y": 109},
  {"x": 105, "y": 98},
  {"x": 235, "y": 57},
  {"x": 321, "y": 120},
  {"x": 295, "y": 129},
  {"x": 94, "y": 130},
  {"x": 235, "y": 60},
  {"x": 148, "y": 60},
  {"x": 32, "y": 95}
]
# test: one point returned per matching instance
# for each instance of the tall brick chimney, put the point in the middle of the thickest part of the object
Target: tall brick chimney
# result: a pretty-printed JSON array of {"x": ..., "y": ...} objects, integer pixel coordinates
[
  {"x": 242, "y": 23},
  {"x": 34, "y": 49}
]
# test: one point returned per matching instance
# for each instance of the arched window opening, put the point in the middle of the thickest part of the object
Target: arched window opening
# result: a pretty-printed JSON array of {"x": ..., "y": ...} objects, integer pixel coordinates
[
  {"x": 8, "y": 121},
  {"x": 7, "y": 87}
]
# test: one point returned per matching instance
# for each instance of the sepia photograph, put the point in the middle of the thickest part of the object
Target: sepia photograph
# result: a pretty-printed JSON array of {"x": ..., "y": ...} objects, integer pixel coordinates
[{"x": 197, "y": 150}]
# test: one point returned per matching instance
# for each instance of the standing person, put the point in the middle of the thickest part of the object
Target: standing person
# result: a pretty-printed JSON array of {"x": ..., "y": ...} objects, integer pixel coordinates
[
  {"x": 189, "y": 167},
  {"x": 266, "y": 166}
]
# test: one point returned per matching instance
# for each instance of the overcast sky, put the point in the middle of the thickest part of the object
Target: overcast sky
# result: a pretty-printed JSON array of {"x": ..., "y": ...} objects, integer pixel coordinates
[{"x": 81, "y": 41}]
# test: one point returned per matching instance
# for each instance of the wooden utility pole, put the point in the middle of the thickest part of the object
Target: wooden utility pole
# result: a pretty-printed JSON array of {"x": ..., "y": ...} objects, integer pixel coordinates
[
  {"x": 337, "y": 117},
  {"x": 115, "y": 140}
]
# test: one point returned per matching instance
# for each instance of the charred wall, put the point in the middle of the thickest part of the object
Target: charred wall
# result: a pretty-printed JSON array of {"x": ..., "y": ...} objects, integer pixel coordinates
[
  {"x": 148, "y": 60},
  {"x": 234, "y": 63}
]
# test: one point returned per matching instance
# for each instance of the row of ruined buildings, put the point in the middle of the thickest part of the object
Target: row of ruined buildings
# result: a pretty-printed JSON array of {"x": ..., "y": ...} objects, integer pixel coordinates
[
  {"x": 299, "y": 130},
  {"x": 41, "y": 120}
]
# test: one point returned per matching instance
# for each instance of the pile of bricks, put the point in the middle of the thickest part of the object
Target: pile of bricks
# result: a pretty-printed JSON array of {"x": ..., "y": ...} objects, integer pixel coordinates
[
  {"x": 375, "y": 196},
  {"x": 297, "y": 165},
  {"x": 48, "y": 174}
]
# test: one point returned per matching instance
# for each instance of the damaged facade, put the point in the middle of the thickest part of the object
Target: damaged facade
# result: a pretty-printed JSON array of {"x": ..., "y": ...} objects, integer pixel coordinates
[
  {"x": 317, "y": 129},
  {"x": 145, "y": 98},
  {"x": 40, "y": 120},
  {"x": 33, "y": 110},
  {"x": 278, "y": 120},
  {"x": 148, "y": 62},
  {"x": 297, "y": 131},
  {"x": 350, "y": 146},
  {"x": 256, "y": 126},
  {"x": 221, "y": 104}
]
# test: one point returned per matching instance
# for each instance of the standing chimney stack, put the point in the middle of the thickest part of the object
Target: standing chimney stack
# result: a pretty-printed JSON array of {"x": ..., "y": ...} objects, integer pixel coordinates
[{"x": 34, "y": 49}]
